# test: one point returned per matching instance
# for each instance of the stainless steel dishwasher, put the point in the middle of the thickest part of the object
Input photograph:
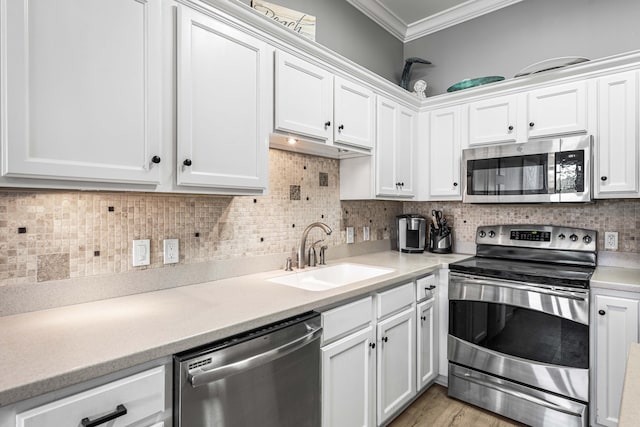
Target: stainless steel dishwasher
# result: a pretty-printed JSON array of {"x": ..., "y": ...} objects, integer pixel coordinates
[{"x": 268, "y": 377}]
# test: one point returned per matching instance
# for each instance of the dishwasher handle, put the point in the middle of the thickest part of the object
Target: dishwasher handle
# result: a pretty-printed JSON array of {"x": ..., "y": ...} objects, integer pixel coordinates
[{"x": 205, "y": 377}]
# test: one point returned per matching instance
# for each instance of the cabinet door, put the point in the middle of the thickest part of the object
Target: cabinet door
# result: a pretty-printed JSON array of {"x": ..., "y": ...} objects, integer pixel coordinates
[
  {"x": 303, "y": 97},
  {"x": 617, "y": 148},
  {"x": 386, "y": 134},
  {"x": 444, "y": 153},
  {"x": 353, "y": 114},
  {"x": 81, "y": 108},
  {"x": 396, "y": 363},
  {"x": 558, "y": 110},
  {"x": 223, "y": 134},
  {"x": 616, "y": 328},
  {"x": 493, "y": 120},
  {"x": 348, "y": 381},
  {"x": 405, "y": 149},
  {"x": 425, "y": 344}
]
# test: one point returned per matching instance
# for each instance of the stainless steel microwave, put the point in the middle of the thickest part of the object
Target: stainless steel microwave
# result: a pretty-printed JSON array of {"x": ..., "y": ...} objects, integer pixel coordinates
[{"x": 550, "y": 170}]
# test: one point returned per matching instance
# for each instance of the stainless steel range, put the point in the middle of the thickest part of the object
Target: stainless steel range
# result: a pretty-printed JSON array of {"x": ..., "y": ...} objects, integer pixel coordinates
[{"x": 518, "y": 341}]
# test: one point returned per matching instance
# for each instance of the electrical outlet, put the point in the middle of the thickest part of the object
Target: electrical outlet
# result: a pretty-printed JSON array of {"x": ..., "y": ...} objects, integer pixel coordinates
[
  {"x": 350, "y": 234},
  {"x": 611, "y": 240},
  {"x": 171, "y": 250},
  {"x": 141, "y": 252},
  {"x": 365, "y": 233}
]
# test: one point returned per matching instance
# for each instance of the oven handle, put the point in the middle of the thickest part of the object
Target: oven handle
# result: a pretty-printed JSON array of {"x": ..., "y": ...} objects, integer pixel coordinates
[
  {"x": 529, "y": 287},
  {"x": 205, "y": 377},
  {"x": 515, "y": 393}
]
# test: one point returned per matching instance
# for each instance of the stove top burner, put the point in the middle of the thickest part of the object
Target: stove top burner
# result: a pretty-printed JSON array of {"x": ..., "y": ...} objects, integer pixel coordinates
[
  {"x": 523, "y": 271},
  {"x": 539, "y": 254}
]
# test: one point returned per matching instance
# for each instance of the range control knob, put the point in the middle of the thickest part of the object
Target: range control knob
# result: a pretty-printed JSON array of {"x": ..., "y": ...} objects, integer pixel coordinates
[
  {"x": 561, "y": 236},
  {"x": 587, "y": 239},
  {"x": 573, "y": 238},
  {"x": 492, "y": 234},
  {"x": 482, "y": 233}
]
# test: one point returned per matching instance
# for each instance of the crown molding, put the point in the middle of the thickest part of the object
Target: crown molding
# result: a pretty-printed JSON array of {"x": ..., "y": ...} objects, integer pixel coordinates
[{"x": 445, "y": 19}]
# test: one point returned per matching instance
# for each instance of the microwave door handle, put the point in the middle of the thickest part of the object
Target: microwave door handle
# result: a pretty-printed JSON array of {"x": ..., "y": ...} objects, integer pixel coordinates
[{"x": 552, "y": 174}]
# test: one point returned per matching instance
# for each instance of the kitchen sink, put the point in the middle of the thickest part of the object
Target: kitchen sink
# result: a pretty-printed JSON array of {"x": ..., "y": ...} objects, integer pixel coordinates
[{"x": 330, "y": 277}]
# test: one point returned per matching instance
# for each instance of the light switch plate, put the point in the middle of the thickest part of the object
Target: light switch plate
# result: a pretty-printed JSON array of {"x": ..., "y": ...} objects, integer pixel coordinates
[
  {"x": 350, "y": 235},
  {"x": 141, "y": 252},
  {"x": 171, "y": 250},
  {"x": 365, "y": 233}
]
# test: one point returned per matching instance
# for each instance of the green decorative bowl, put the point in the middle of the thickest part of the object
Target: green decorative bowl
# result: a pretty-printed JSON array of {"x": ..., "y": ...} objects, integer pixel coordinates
[{"x": 467, "y": 83}]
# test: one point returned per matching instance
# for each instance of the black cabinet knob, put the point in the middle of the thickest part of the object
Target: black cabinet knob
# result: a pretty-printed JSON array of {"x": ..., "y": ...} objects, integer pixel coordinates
[
  {"x": 510, "y": 128},
  {"x": 372, "y": 345},
  {"x": 156, "y": 159},
  {"x": 455, "y": 184},
  {"x": 603, "y": 178},
  {"x": 602, "y": 312},
  {"x": 187, "y": 162},
  {"x": 385, "y": 339},
  {"x": 423, "y": 318},
  {"x": 327, "y": 124},
  {"x": 531, "y": 124},
  {"x": 340, "y": 128},
  {"x": 402, "y": 184}
]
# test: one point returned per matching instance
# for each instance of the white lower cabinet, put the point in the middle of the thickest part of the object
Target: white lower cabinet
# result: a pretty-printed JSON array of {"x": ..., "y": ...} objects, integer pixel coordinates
[
  {"x": 137, "y": 400},
  {"x": 396, "y": 363},
  {"x": 348, "y": 381},
  {"x": 615, "y": 325},
  {"x": 425, "y": 343}
]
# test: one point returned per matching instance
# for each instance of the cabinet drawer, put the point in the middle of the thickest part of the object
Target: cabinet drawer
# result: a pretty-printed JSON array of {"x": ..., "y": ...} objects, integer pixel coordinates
[
  {"x": 425, "y": 287},
  {"x": 347, "y": 318},
  {"x": 394, "y": 300},
  {"x": 142, "y": 395}
]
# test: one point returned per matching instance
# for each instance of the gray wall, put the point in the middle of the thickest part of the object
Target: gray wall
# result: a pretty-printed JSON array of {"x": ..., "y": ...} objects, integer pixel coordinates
[
  {"x": 343, "y": 29},
  {"x": 506, "y": 41}
]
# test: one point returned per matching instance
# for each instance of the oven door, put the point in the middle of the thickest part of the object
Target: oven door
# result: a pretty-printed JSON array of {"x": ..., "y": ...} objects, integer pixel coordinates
[{"x": 532, "y": 334}]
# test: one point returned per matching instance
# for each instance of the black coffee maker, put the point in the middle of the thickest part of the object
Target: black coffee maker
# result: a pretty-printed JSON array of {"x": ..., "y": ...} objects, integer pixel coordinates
[{"x": 440, "y": 239}]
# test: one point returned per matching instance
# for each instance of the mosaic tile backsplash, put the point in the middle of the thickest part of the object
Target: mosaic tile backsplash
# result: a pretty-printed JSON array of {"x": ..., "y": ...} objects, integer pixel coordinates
[{"x": 52, "y": 235}]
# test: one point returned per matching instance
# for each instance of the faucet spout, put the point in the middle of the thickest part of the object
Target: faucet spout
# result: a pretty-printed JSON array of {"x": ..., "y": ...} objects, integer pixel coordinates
[{"x": 303, "y": 240}]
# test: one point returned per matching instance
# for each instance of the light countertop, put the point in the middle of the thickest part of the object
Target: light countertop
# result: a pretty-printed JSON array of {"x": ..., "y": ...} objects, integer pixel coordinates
[
  {"x": 616, "y": 278},
  {"x": 50, "y": 349},
  {"x": 629, "y": 408}
]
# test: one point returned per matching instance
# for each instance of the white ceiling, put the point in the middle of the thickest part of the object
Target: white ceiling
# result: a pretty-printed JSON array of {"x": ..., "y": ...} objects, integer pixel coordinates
[{"x": 411, "y": 19}]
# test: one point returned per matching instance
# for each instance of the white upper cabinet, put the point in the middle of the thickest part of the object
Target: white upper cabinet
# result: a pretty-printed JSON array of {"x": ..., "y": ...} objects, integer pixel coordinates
[
  {"x": 557, "y": 110},
  {"x": 396, "y": 133},
  {"x": 444, "y": 153},
  {"x": 223, "y": 127},
  {"x": 81, "y": 86},
  {"x": 616, "y": 168},
  {"x": 353, "y": 114},
  {"x": 303, "y": 98},
  {"x": 493, "y": 120}
]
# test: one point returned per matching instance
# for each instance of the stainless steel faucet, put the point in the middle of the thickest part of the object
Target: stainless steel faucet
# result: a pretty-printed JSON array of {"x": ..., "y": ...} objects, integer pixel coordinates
[{"x": 303, "y": 240}]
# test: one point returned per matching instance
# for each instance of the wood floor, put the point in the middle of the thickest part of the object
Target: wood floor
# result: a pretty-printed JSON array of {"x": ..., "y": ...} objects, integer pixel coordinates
[{"x": 435, "y": 408}]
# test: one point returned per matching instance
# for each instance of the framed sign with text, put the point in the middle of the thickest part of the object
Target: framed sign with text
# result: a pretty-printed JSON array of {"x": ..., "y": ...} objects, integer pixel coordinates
[{"x": 298, "y": 22}]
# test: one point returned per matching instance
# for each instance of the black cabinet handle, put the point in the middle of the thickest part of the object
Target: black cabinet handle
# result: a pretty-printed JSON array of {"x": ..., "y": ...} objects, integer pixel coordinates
[
  {"x": 531, "y": 124},
  {"x": 455, "y": 184},
  {"x": 385, "y": 339},
  {"x": 156, "y": 159},
  {"x": 510, "y": 128},
  {"x": 430, "y": 288},
  {"x": 423, "y": 318},
  {"x": 340, "y": 128},
  {"x": 402, "y": 184},
  {"x": 187, "y": 162},
  {"x": 603, "y": 178},
  {"x": 602, "y": 312},
  {"x": 327, "y": 124},
  {"x": 372, "y": 345},
  {"x": 120, "y": 411}
]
